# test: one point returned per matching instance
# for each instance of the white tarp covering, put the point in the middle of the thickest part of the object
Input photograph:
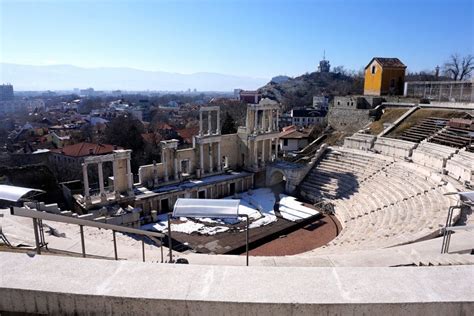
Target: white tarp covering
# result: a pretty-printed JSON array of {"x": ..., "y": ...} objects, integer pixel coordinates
[
  {"x": 257, "y": 204},
  {"x": 206, "y": 208},
  {"x": 468, "y": 195},
  {"x": 13, "y": 193}
]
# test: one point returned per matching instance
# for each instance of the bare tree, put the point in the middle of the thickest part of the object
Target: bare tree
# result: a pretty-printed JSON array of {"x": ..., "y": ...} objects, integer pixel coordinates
[{"x": 459, "y": 68}]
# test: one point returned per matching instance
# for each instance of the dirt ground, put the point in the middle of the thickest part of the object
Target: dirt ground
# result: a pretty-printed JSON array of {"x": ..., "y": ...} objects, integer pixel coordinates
[{"x": 311, "y": 236}]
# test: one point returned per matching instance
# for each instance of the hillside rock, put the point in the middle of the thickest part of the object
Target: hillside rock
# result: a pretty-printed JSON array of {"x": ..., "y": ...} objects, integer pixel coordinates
[{"x": 299, "y": 91}]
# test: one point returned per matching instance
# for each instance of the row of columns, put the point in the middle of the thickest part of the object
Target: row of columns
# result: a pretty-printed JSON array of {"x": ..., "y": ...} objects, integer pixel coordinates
[
  {"x": 211, "y": 162},
  {"x": 100, "y": 170},
  {"x": 209, "y": 123},
  {"x": 268, "y": 124},
  {"x": 164, "y": 160},
  {"x": 263, "y": 146}
]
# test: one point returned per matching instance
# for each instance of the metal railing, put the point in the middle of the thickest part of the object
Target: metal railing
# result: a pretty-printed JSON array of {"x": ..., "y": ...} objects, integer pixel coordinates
[
  {"x": 449, "y": 228},
  {"x": 458, "y": 91},
  {"x": 38, "y": 216}
]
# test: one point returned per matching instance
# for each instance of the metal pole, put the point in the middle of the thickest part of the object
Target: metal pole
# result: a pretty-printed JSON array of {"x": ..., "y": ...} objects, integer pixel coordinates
[
  {"x": 445, "y": 231},
  {"x": 170, "y": 242},
  {"x": 247, "y": 239},
  {"x": 143, "y": 249},
  {"x": 161, "y": 248},
  {"x": 115, "y": 245},
  {"x": 448, "y": 236},
  {"x": 82, "y": 241},
  {"x": 35, "y": 229},
  {"x": 41, "y": 231}
]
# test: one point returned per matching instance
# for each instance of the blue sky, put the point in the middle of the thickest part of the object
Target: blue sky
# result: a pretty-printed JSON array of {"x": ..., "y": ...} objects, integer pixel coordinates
[{"x": 251, "y": 38}]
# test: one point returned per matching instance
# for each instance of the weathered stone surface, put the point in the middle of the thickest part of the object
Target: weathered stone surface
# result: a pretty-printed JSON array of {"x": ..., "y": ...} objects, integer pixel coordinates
[{"x": 47, "y": 284}]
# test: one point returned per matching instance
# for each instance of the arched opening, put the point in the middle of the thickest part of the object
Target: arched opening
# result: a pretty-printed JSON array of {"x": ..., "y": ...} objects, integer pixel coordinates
[{"x": 277, "y": 177}]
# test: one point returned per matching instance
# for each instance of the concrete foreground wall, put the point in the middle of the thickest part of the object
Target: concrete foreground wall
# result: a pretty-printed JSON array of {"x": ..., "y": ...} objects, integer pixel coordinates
[{"x": 49, "y": 284}]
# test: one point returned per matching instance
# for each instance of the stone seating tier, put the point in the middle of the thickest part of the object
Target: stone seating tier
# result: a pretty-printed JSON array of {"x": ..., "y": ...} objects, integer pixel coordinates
[{"x": 379, "y": 202}]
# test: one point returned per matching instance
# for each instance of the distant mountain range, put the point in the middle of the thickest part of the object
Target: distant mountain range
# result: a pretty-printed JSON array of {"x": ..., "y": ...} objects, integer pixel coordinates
[{"x": 67, "y": 77}]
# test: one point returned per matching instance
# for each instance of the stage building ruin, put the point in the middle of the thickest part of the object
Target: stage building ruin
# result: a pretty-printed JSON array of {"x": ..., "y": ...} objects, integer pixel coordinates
[{"x": 216, "y": 166}]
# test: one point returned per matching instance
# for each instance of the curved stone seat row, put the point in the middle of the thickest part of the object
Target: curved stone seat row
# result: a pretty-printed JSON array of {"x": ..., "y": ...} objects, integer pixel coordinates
[
  {"x": 460, "y": 166},
  {"x": 432, "y": 155},
  {"x": 408, "y": 221},
  {"x": 394, "y": 147},
  {"x": 387, "y": 203},
  {"x": 359, "y": 141}
]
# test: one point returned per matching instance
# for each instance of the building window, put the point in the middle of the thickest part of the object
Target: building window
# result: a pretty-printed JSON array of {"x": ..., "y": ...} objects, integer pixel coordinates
[
  {"x": 285, "y": 142},
  {"x": 225, "y": 161},
  {"x": 185, "y": 166},
  {"x": 373, "y": 69},
  {"x": 202, "y": 194}
]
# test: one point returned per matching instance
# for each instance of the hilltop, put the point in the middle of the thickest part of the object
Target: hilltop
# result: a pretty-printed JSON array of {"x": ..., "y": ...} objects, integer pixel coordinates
[{"x": 299, "y": 91}]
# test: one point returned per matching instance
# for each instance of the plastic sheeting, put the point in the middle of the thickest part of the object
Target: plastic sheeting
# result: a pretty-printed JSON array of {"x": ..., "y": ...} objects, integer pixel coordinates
[
  {"x": 468, "y": 195},
  {"x": 14, "y": 194},
  {"x": 225, "y": 208}
]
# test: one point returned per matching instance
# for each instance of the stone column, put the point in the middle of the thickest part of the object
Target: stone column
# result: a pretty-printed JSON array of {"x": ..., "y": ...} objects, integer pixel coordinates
[
  {"x": 247, "y": 121},
  {"x": 164, "y": 161},
  {"x": 219, "y": 157},
  {"x": 277, "y": 118},
  {"x": 270, "y": 120},
  {"x": 276, "y": 148},
  {"x": 263, "y": 151},
  {"x": 155, "y": 174},
  {"x": 103, "y": 197},
  {"x": 255, "y": 127},
  {"x": 116, "y": 190},
  {"x": 255, "y": 152},
  {"x": 200, "y": 123},
  {"x": 129, "y": 176},
  {"x": 218, "y": 128},
  {"x": 175, "y": 166},
  {"x": 210, "y": 158},
  {"x": 201, "y": 158},
  {"x": 267, "y": 121},
  {"x": 209, "y": 123},
  {"x": 271, "y": 150},
  {"x": 87, "y": 196}
]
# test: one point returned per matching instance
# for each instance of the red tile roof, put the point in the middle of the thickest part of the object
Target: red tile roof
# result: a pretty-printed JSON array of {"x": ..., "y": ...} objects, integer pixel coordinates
[
  {"x": 85, "y": 149},
  {"x": 388, "y": 62},
  {"x": 152, "y": 138},
  {"x": 188, "y": 133},
  {"x": 291, "y": 132},
  {"x": 162, "y": 125}
]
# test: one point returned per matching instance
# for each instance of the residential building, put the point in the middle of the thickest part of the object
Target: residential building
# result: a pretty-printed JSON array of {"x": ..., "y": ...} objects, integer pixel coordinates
[
  {"x": 13, "y": 106},
  {"x": 67, "y": 162},
  {"x": 6, "y": 92},
  {"x": 252, "y": 97},
  {"x": 293, "y": 138},
  {"x": 384, "y": 76},
  {"x": 321, "y": 103},
  {"x": 307, "y": 117}
]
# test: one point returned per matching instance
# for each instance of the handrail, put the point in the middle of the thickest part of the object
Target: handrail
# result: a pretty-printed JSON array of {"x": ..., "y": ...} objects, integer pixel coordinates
[
  {"x": 464, "y": 227},
  {"x": 19, "y": 211},
  {"x": 40, "y": 215}
]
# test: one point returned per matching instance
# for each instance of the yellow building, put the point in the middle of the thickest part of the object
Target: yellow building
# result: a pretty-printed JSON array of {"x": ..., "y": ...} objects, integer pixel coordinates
[{"x": 384, "y": 76}]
